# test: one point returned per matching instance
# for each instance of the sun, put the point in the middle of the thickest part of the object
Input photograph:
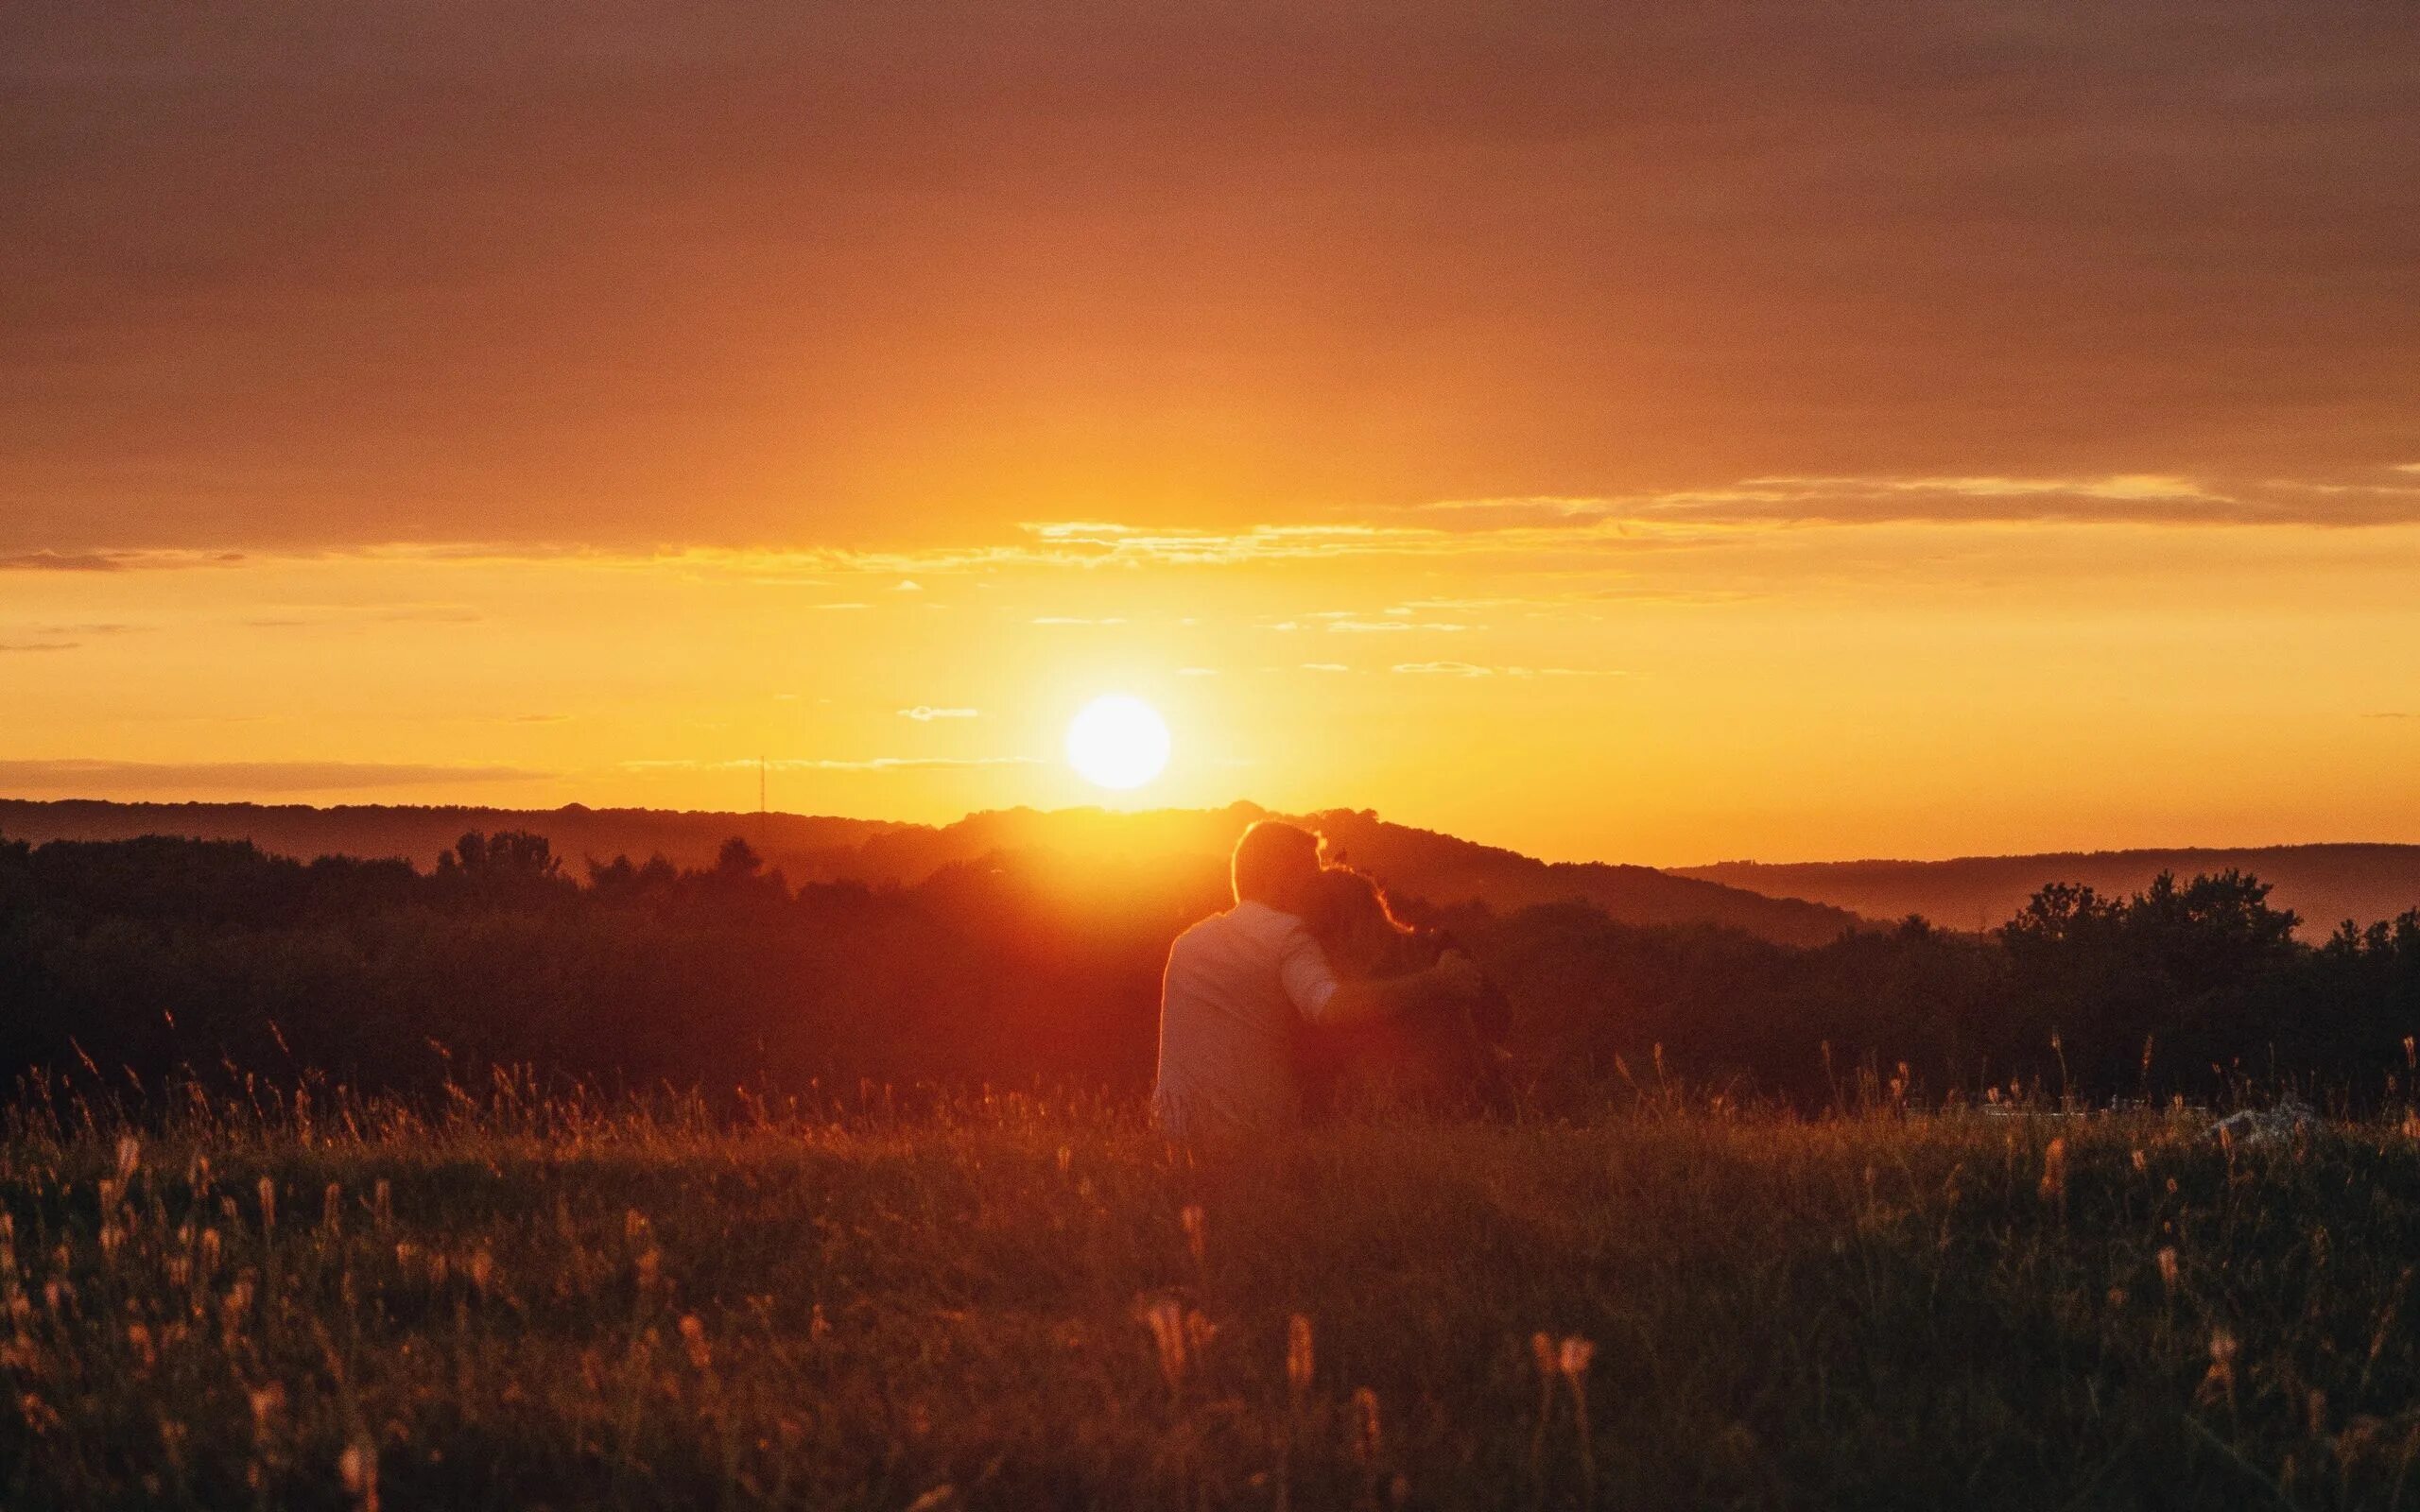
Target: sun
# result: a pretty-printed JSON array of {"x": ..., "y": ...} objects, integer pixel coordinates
[{"x": 1118, "y": 741}]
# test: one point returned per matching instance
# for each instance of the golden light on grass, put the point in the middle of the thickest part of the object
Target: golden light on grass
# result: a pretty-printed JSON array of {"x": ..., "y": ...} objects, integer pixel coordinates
[{"x": 1118, "y": 741}]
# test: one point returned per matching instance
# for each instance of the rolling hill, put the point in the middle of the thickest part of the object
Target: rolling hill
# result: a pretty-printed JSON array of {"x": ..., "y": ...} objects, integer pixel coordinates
[
  {"x": 2324, "y": 883},
  {"x": 1441, "y": 869}
]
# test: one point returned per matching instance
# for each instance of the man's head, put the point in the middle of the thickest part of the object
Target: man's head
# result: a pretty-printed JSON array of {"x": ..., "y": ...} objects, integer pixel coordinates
[{"x": 1273, "y": 863}]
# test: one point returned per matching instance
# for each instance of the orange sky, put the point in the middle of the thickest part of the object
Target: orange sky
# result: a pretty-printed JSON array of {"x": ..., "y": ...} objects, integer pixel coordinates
[{"x": 1660, "y": 433}]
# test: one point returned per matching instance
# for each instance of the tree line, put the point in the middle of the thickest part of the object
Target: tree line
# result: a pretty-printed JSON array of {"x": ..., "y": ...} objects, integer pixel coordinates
[{"x": 134, "y": 959}]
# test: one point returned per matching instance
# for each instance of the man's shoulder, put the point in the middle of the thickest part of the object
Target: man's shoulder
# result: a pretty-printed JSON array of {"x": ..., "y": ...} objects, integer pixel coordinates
[
  {"x": 1209, "y": 930},
  {"x": 1246, "y": 926}
]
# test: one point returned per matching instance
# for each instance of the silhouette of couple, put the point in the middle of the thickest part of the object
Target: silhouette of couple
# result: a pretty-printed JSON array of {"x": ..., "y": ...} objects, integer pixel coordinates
[{"x": 1305, "y": 995}]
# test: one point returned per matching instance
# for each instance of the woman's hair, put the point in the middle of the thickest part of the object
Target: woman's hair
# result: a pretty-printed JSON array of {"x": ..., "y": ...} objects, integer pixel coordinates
[{"x": 1346, "y": 912}]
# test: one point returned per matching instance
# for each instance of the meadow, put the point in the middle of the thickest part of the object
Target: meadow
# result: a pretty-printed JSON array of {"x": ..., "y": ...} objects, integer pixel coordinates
[{"x": 275, "y": 1299}]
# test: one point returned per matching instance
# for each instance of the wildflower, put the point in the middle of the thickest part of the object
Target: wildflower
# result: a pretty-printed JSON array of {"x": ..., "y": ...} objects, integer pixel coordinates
[
  {"x": 1298, "y": 1354},
  {"x": 382, "y": 1203},
  {"x": 693, "y": 1337},
  {"x": 650, "y": 1267},
  {"x": 129, "y": 1155},
  {"x": 1573, "y": 1356},
  {"x": 2142, "y": 1163},
  {"x": 268, "y": 1203},
  {"x": 1542, "y": 1350},
  {"x": 1191, "y": 1218},
  {"x": 2054, "y": 1172},
  {"x": 482, "y": 1270},
  {"x": 2224, "y": 1349},
  {"x": 1066, "y": 1158},
  {"x": 331, "y": 1207},
  {"x": 2167, "y": 1258},
  {"x": 267, "y": 1402},
  {"x": 1166, "y": 1320},
  {"x": 357, "y": 1467},
  {"x": 1368, "y": 1441}
]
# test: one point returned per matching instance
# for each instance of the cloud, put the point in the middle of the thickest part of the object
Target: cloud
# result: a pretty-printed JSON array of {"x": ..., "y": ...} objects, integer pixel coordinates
[
  {"x": 100, "y": 778},
  {"x": 47, "y": 561},
  {"x": 925, "y": 713},
  {"x": 817, "y": 764},
  {"x": 59, "y": 561},
  {"x": 1977, "y": 498},
  {"x": 1325, "y": 666},
  {"x": 39, "y": 645},
  {"x": 1074, "y": 619},
  {"x": 1851, "y": 239},
  {"x": 1467, "y": 669}
]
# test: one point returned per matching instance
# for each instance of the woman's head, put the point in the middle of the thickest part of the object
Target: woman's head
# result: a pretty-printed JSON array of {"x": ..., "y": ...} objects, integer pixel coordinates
[{"x": 1347, "y": 913}]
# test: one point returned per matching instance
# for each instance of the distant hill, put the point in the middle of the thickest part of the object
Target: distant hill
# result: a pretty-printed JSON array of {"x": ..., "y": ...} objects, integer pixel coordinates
[
  {"x": 2324, "y": 883},
  {"x": 1439, "y": 868}
]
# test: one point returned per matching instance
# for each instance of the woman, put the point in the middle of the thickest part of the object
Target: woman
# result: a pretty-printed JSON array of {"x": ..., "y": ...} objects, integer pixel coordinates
[{"x": 1437, "y": 1057}]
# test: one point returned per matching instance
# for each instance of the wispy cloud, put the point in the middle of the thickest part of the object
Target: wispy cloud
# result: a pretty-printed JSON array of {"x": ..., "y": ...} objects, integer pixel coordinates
[
  {"x": 1468, "y": 669},
  {"x": 47, "y": 560},
  {"x": 101, "y": 778},
  {"x": 822, "y": 763},
  {"x": 59, "y": 561},
  {"x": 1077, "y": 619},
  {"x": 39, "y": 645},
  {"x": 925, "y": 713}
]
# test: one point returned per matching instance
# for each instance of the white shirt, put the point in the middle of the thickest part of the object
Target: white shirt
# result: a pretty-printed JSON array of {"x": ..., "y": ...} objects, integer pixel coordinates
[{"x": 1235, "y": 983}]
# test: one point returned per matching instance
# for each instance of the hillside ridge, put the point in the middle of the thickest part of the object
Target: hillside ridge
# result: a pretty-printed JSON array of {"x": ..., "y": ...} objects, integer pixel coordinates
[{"x": 1441, "y": 869}]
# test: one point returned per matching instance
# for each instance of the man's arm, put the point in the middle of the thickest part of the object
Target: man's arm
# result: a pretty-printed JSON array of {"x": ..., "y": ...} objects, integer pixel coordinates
[
  {"x": 1325, "y": 1001},
  {"x": 1455, "y": 975}
]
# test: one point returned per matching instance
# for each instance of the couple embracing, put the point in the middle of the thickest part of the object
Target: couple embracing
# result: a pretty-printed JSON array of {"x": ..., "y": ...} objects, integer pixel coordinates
[{"x": 1307, "y": 984}]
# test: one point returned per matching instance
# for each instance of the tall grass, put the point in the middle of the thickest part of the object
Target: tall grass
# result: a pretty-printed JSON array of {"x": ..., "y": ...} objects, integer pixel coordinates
[{"x": 515, "y": 1300}]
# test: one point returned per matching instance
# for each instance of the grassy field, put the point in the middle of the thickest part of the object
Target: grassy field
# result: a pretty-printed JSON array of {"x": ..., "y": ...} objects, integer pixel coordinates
[{"x": 522, "y": 1302}]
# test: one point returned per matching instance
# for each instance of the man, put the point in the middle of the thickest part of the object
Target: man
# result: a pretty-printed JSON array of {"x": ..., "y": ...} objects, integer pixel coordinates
[{"x": 1235, "y": 983}]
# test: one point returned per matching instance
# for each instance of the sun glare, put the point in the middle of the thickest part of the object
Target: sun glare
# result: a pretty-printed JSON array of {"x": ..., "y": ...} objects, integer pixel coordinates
[{"x": 1117, "y": 742}]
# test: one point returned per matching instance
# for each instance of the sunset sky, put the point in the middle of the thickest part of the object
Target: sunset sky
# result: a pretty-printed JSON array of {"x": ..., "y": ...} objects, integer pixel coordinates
[{"x": 1660, "y": 434}]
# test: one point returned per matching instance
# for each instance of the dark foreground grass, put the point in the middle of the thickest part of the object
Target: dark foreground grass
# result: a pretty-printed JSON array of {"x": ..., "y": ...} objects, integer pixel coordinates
[{"x": 1008, "y": 1305}]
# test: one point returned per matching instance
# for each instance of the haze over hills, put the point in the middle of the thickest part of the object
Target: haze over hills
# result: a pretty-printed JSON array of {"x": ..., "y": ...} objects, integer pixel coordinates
[
  {"x": 1439, "y": 868},
  {"x": 2324, "y": 883}
]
